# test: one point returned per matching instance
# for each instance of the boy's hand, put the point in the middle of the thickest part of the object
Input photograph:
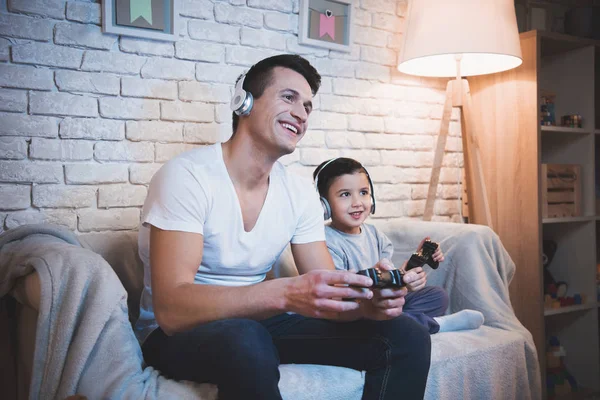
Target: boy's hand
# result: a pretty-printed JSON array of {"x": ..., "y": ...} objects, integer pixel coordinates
[
  {"x": 438, "y": 255},
  {"x": 415, "y": 279}
]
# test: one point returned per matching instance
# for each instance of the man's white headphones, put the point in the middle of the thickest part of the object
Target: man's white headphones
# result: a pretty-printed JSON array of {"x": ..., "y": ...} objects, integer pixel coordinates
[
  {"x": 325, "y": 203},
  {"x": 242, "y": 101}
]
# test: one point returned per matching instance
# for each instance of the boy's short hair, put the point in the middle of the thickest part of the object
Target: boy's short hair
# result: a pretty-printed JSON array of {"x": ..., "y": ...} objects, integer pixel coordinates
[
  {"x": 328, "y": 170},
  {"x": 260, "y": 74}
]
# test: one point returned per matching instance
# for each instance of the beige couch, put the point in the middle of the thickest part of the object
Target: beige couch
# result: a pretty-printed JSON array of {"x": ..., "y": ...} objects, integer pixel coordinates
[{"x": 497, "y": 361}]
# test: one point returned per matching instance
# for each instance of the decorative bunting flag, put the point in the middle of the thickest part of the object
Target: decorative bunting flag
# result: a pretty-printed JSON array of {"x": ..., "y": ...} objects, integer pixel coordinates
[
  {"x": 140, "y": 8},
  {"x": 327, "y": 25}
]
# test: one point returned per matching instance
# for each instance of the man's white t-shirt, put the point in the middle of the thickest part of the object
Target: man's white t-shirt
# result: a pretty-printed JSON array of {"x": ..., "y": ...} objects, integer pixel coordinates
[{"x": 194, "y": 193}]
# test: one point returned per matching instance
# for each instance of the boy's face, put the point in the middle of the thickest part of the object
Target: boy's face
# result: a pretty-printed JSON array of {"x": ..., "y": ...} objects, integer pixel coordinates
[
  {"x": 350, "y": 199},
  {"x": 280, "y": 116}
]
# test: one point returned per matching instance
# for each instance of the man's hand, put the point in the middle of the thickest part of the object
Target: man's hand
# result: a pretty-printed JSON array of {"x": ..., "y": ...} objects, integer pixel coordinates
[
  {"x": 386, "y": 303},
  {"x": 319, "y": 293}
]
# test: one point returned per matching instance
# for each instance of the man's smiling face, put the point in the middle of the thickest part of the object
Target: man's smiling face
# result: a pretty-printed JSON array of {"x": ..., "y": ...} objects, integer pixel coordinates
[{"x": 279, "y": 117}]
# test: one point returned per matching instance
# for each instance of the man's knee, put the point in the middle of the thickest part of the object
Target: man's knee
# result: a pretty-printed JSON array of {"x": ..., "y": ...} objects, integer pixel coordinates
[{"x": 409, "y": 339}]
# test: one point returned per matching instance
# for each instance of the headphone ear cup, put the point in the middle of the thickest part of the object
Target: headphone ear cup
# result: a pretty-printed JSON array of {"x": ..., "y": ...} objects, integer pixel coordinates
[
  {"x": 238, "y": 99},
  {"x": 326, "y": 208},
  {"x": 373, "y": 207},
  {"x": 242, "y": 101},
  {"x": 247, "y": 105}
]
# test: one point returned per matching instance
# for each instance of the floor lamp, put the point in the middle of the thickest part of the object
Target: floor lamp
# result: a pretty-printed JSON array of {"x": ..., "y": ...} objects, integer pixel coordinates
[{"x": 459, "y": 38}]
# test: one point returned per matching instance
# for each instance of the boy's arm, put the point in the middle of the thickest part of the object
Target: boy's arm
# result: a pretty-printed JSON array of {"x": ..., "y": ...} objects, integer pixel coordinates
[
  {"x": 340, "y": 260},
  {"x": 386, "y": 248},
  {"x": 416, "y": 278}
]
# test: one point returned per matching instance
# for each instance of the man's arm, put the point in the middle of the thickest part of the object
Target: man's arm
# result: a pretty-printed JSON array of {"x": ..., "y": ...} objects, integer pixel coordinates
[
  {"x": 179, "y": 304},
  {"x": 312, "y": 256}
]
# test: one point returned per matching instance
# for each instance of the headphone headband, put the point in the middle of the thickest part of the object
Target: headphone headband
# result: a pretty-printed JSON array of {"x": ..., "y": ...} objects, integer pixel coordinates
[{"x": 321, "y": 169}]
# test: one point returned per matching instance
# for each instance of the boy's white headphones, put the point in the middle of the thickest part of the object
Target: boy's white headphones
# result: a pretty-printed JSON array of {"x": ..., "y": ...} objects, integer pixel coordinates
[
  {"x": 242, "y": 101},
  {"x": 325, "y": 203}
]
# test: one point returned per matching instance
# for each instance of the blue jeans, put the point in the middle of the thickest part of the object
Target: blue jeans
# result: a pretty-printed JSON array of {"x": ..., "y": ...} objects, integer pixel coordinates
[
  {"x": 242, "y": 356},
  {"x": 422, "y": 306}
]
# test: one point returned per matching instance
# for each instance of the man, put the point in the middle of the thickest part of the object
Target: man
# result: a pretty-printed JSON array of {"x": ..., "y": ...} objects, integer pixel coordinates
[{"x": 214, "y": 222}]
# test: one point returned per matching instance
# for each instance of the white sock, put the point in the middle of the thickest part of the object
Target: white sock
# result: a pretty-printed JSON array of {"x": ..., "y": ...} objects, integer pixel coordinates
[{"x": 465, "y": 319}]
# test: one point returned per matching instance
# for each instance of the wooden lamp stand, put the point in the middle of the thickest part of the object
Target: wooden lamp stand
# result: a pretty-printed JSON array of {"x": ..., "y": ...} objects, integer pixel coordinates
[{"x": 458, "y": 95}]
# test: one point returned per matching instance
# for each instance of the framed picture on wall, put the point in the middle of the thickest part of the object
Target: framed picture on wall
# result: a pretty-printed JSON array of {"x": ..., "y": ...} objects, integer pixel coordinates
[
  {"x": 149, "y": 19},
  {"x": 326, "y": 23}
]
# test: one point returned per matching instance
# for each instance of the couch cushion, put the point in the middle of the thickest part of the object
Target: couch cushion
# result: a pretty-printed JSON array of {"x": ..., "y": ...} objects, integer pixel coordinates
[
  {"x": 464, "y": 362},
  {"x": 475, "y": 363},
  {"x": 119, "y": 249},
  {"x": 312, "y": 382}
]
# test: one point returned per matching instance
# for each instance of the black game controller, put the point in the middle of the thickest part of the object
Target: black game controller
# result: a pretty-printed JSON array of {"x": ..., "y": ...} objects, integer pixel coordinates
[
  {"x": 384, "y": 279},
  {"x": 395, "y": 278},
  {"x": 423, "y": 256}
]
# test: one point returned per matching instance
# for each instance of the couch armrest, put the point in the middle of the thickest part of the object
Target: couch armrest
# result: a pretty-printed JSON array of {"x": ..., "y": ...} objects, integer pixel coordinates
[
  {"x": 476, "y": 272},
  {"x": 407, "y": 234},
  {"x": 27, "y": 290}
]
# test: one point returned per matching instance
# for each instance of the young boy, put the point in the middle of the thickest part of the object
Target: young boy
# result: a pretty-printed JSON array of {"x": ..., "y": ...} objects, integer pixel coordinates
[{"x": 347, "y": 196}]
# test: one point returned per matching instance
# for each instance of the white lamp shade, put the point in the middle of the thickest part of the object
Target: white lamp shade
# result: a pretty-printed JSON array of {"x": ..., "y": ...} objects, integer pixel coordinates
[{"x": 483, "y": 32}]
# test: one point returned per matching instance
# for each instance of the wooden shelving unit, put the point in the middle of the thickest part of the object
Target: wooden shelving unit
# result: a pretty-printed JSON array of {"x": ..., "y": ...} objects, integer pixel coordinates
[
  {"x": 565, "y": 220},
  {"x": 568, "y": 309},
  {"x": 513, "y": 147},
  {"x": 564, "y": 129}
]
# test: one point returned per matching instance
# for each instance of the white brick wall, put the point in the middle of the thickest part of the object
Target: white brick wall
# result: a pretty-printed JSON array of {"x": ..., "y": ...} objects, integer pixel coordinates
[
  {"x": 83, "y": 35},
  {"x": 126, "y": 108},
  {"x": 91, "y": 82},
  {"x": 13, "y": 148},
  {"x": 64, "y": 196},
  {"x": 4, "y": 56},
  {"x": 55, "y": 149},
  {"x": 148, "y": 88},
  {"x": 49, "y": 103},
  {"x": 18, "y": 26},
  {"x": 146, "y": 47},
  {"x": 25, "y": 77},
  {"x": 209, "y": 52},
  {"x": 87, "y": 118},
  {"x": 47, "y": 54},
  {"x": 15, "y": 197},
  {"x": 88, "y": 13}
]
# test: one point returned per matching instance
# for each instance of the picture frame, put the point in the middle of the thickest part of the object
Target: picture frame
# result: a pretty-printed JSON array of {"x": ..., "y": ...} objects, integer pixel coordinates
[
  {"x": 326, "y": 23},
  {"x": 148, "y": 19}
]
